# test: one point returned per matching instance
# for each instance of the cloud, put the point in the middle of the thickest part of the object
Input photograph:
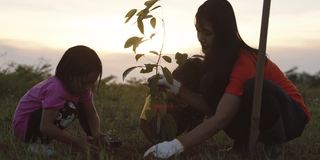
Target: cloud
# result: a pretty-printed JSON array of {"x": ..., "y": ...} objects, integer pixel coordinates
[
  {"x": 306, "y": 59},
  {"x": 113, "y": 64}
]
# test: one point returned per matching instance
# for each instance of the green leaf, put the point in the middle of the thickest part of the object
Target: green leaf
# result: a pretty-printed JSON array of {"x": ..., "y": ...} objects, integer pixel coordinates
[
  {"x": 140, "y": 25},
  {"x": 153, "y": 85},
  {"x": 127, "y": 71},
  {"x": 130, "y": 14},
  {"x": 153, "y": 22},
  {"x": 167, "y": 74},
  {"x": 150, "y": 3},
  {"x": 133, "y": 41},
  {"x": 167, "y": 59},
  {"x": 155, "y": 8},
  {"x": 154, "y": 52},
  {"x": 135, "y": 46},
  {"x": 148, "y": 68},
  {"x": 143, "y": 14},
  {"x": 181, "y": 58},
  {"x": 152, "y": 35},
  {"x": 198, "y": 56},
  {"x": 138, "y": 56},
  {"x": 148, "y": 16}
]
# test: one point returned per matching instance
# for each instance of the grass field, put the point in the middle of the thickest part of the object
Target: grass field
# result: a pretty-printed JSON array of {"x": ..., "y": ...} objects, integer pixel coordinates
[{"x": 119, "y": 107}]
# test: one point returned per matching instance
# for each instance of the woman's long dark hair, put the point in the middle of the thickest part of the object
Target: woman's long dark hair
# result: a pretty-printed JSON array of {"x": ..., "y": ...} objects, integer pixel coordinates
[
  {"x": 76, "y": 62},
  {"x": 218, "y": 63}
]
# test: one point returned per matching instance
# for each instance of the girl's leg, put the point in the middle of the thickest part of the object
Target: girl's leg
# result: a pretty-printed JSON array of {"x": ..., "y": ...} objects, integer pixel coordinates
[
  {"x": 33, "y": 134},
  {"x": 65, "y": 117},
  {"x": 38, "y": 143}
]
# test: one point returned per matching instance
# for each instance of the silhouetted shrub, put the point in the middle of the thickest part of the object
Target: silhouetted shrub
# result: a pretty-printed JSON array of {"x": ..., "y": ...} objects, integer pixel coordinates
[{"x": 16, "y": 79}]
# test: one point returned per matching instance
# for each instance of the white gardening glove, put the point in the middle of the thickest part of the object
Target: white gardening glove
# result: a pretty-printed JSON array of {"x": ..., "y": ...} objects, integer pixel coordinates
[
  {"x": 173, "y": 88},
  {"x": 165, "y": 149}
]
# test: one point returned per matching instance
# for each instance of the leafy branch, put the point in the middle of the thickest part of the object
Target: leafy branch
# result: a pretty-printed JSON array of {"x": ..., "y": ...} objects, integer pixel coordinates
[
  {"x": 157, "y": 98},
  {"x": 141, "y": 16}
]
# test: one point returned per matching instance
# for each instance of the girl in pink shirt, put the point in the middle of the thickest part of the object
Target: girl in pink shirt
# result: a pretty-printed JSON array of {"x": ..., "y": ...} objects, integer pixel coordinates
[{"x": 51, "y": 105}]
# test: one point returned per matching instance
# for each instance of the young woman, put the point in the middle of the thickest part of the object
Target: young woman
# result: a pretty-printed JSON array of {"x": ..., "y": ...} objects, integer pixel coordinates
[
  {"x": 227, "y": 89},
  {"x": 184, "y": 116},
  {"x": 53, "y": 104}
]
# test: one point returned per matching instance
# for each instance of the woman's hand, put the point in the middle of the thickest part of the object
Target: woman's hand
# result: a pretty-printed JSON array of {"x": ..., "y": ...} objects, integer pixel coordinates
[
  {"x": 173, "y": 88},
  {"x": 165, "y": 149}
]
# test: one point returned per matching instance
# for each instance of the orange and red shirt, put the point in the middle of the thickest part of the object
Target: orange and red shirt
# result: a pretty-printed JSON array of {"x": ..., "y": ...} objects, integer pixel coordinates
[{"x": 245, "y": 69}]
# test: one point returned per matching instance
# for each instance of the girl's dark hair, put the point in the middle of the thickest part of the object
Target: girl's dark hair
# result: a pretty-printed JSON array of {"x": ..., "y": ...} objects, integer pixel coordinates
[
  {"x": 225, "y": 49},
  {"x": 76, "y": 62}
]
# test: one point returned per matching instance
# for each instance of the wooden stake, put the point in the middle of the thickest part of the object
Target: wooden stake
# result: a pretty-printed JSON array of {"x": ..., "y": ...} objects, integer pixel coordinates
[{"x": 256, "y": 108}]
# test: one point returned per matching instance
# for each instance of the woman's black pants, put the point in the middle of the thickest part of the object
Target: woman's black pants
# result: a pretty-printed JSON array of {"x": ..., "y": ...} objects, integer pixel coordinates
[{"x": 281, "y": 118}]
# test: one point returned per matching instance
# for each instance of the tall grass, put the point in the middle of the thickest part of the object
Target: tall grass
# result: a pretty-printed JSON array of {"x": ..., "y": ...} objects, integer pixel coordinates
[{"x": 119, "y": 106}]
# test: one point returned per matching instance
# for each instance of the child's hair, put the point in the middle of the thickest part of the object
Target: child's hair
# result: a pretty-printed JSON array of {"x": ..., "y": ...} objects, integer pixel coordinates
[{"x": 78, "y": 61}]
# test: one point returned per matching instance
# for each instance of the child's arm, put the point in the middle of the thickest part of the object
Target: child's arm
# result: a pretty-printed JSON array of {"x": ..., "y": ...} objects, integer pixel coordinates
[
  {"x": 48, "y": 128},
  {"x": 92, "y": 118}
]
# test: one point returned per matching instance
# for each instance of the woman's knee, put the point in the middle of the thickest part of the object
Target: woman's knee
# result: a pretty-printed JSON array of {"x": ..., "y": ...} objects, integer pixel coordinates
[{"x": 271, "y": 101}]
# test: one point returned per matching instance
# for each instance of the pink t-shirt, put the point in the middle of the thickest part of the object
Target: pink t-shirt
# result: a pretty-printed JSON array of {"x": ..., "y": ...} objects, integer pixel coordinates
[{"x": 49, "y": 93}]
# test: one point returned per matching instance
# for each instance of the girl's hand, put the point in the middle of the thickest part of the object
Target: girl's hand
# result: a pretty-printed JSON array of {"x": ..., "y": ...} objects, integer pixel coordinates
[
  {"x": 104, "y": 140},
  {"x": 95, "y": 141}
]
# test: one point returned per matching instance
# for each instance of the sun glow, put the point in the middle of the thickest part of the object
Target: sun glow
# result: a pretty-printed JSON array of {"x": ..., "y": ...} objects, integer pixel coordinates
[{"x": 33, "y": 25}]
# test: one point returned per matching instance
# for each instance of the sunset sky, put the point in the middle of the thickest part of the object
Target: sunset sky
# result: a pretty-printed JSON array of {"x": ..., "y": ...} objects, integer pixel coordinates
[{"x": 44, "y": 28}]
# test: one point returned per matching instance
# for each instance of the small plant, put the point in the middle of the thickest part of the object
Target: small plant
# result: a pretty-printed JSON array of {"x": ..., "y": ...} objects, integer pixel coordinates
[{"x": 158, "y": 98}]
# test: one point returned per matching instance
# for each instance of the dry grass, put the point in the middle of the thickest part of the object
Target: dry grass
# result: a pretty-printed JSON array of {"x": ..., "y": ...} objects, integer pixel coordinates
[{"x": 119, "y": 107}]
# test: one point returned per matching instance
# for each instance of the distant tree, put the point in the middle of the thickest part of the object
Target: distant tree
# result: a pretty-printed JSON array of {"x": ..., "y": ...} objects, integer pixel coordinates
[
  {"x": 16, "y": 79},
  {"x": 304, "y": 81},
  {"x": 135, "y": 81},
  {"x": 303, "y": 78},
  {"x": 109, "y": 79},
  {"x": 292, "y": 74}
]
